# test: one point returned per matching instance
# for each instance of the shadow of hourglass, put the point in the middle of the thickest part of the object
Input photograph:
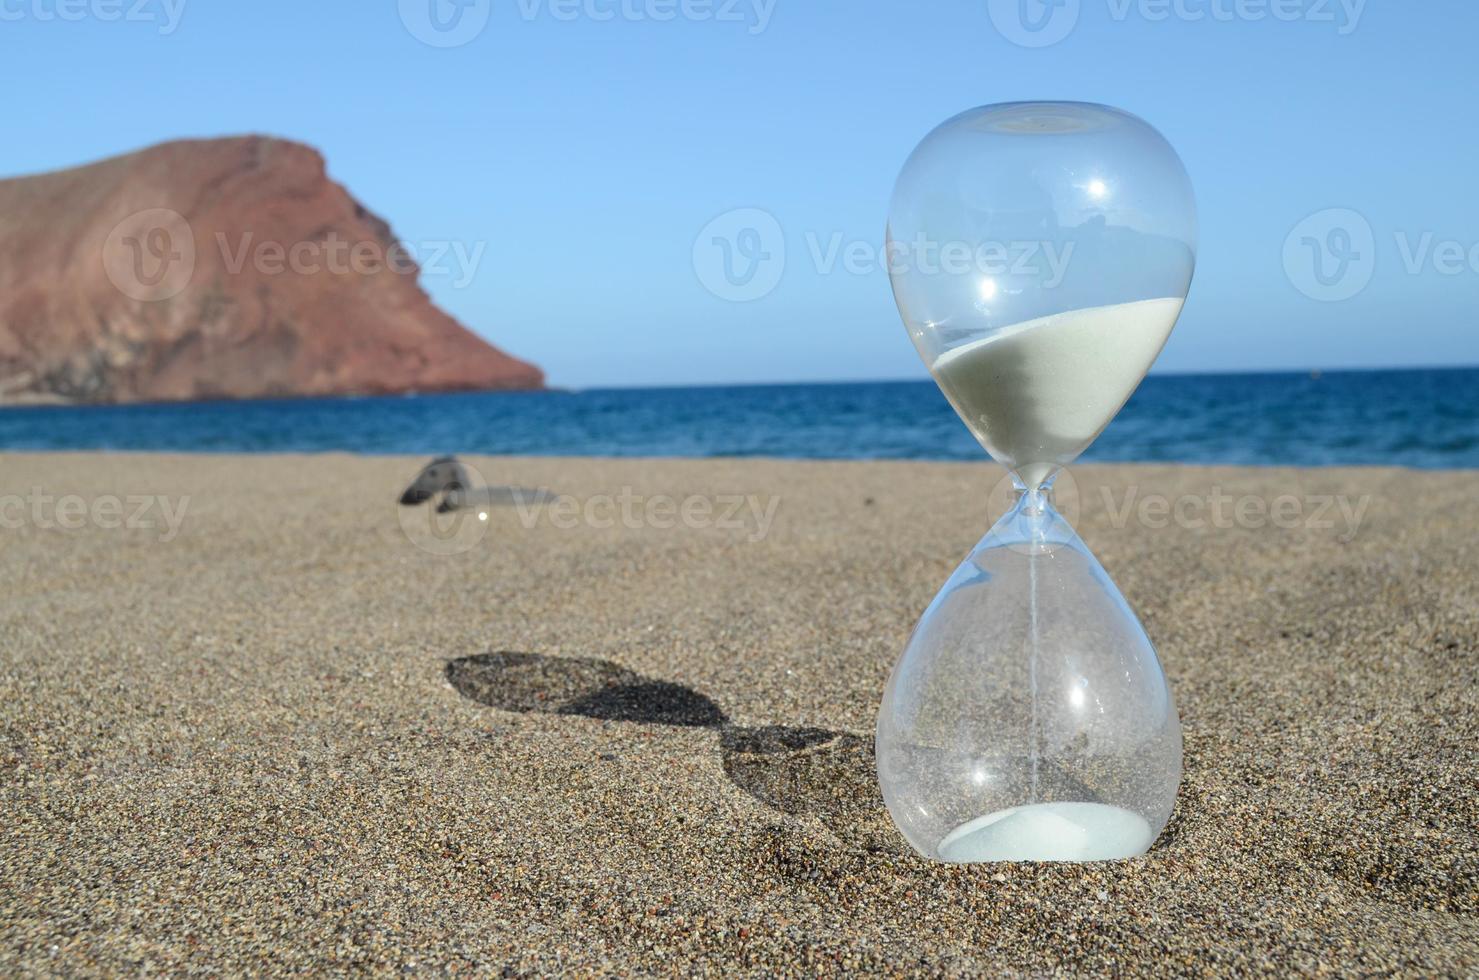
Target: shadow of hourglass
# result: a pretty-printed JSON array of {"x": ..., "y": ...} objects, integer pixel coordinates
[{"x": 798, "y": 771}]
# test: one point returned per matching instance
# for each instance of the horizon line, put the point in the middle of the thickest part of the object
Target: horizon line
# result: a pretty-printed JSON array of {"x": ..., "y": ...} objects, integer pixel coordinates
[{"x": 914, "y": 380}]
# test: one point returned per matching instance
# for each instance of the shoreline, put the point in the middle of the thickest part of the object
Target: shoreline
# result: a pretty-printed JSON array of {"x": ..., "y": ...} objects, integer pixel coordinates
[
  {"x": 984, "y": 463},
  {"x": 1417, "y": 421}
]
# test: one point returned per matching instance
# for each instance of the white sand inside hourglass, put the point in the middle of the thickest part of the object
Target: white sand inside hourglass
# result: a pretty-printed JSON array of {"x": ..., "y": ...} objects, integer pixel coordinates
[
  {"x": 1036, "y": 393},
  {"x": 1049, "y": 832}
]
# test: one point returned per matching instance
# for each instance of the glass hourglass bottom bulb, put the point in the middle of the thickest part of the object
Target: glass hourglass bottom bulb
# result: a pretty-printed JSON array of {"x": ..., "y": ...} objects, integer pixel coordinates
[{"x": 1028, "y": 718}]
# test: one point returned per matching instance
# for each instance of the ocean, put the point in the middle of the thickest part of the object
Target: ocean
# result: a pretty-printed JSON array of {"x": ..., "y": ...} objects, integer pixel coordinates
[{"x": 1415, "y": 418}]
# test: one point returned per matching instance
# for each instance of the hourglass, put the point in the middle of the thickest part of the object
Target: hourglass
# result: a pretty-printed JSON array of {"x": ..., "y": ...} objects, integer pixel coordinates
[{"x": 1040, "y": 254}]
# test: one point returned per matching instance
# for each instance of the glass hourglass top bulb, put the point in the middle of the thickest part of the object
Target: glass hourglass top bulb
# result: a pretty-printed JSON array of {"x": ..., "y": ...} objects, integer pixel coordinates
[{"x": 1040, "y": 254}]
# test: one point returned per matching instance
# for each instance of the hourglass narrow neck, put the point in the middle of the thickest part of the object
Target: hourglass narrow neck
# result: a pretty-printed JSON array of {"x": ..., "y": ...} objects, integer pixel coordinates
[
  {"x": 1035, "y": 501},
  {"x": 1033, "y": 519},
  {"x": 1035, "y": 491},
  {"x": 1034, "y": 509}
]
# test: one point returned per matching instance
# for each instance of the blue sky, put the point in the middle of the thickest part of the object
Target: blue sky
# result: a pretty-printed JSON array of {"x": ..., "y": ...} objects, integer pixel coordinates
[{"x": 586, "y": 143}]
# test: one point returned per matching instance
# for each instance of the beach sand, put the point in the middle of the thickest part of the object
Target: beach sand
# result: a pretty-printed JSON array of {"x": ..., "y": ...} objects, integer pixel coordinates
[{"x": 291, "y": 735}]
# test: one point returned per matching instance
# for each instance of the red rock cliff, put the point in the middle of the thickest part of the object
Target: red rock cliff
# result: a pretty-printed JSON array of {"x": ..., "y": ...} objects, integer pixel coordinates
[{"x": 226, "y": 268}]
